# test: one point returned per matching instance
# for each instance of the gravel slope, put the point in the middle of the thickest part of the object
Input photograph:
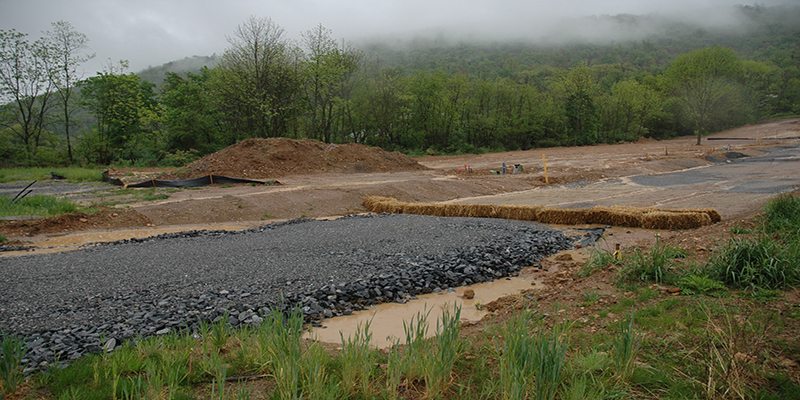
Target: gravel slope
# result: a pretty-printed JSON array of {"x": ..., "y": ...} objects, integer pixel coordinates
[{"x": 64, "y": 302}]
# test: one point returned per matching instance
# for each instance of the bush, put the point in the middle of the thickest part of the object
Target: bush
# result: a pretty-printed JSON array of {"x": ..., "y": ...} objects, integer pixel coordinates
[
  {"x": 783, "y": 215},
  {"x": 755, "y": 263},
  {"x": 656, "y": 266}
]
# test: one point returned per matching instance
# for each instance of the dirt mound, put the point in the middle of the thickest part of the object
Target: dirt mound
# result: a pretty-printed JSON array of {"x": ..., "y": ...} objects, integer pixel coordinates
[
  {"x": 276, "y": 157},
  {"x": 105, "y": 218}
]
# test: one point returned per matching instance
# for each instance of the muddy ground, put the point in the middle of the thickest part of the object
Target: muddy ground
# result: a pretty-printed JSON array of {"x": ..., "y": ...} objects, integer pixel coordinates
[
  {"x": 323, "y": 181},
  {"x": 320, "y": 181}
]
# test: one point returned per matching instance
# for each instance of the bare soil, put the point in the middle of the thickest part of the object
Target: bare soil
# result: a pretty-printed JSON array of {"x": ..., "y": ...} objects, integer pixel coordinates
[
  {"x": 320, "y": 181},
  {"x": 326, "y": 180}
]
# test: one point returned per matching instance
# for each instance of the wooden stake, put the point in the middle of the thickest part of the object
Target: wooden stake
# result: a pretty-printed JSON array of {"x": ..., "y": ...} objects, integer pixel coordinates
[{"x": 544, "y": 162}]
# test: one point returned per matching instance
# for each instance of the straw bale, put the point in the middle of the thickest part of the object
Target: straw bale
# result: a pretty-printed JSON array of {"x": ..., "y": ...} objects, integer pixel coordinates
[
  {"x": 383, "y": 205},
  {"x": 675, "y": 220},
  {"x": 456, "y": 210},
  {"x": 481, "y": 211},
  {"x": 562, "y": 216},
  {"x": 712, "y": 213},
  {"x": 415, "y": 208},
  {"x": 617, "y": 216},
  {"x": 517, "y": 212},
  {"x": 371, "y": 201}
]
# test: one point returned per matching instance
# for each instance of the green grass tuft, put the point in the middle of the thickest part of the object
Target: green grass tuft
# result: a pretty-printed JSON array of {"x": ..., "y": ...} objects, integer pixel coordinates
[{"x": 41, "y": 205}]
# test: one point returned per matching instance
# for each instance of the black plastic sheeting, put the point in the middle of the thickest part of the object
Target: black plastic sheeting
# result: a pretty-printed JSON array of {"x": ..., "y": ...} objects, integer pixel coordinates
[{"x": 194, "y": 182}]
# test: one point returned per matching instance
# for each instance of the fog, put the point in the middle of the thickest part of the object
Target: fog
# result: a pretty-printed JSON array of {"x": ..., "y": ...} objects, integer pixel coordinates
[{"x": 153, "y": 32}]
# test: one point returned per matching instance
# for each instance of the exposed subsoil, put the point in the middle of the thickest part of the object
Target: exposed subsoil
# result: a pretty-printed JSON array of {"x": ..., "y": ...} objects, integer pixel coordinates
[
  {"x": 326, "y": 180},
  {"x": 277, "y": 157},
  {"x": 321, "y": 180}
]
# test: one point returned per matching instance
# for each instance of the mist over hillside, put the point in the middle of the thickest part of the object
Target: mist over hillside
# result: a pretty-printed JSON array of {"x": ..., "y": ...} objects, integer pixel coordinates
[
  {"x": 192, "y": 64},
  {"x": 597, "y": 39}
]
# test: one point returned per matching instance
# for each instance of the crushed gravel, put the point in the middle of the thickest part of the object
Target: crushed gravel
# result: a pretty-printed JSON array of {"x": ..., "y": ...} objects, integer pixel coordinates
[{"x": 64, "y": 303}]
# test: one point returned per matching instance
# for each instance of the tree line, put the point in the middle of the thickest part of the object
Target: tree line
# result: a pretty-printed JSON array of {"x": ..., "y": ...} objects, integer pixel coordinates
[{"x": 265, "y": 85}]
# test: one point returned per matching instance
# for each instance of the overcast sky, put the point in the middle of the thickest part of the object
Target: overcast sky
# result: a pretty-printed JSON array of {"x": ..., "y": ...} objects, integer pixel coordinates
[{"x": 152, "y": 32}]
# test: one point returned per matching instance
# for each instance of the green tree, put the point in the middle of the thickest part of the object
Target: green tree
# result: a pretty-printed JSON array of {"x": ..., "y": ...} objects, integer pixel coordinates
[
  {"x": 628, "y": 111},
  {"x": 117, "y": 101},
  {"x": 67, "y": 46},
  {"x": 190, "y": 116},
  {"x": 26, "y": 70},
  {"x": 704, "y": 83},
  {"x": 259, "y": 80},
  {"x": 328, "y": 70},
  {"x": 578, "y": 87}
]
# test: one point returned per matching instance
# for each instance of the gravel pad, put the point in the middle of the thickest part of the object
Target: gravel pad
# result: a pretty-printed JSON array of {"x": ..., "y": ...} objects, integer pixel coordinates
[{"x": 64, "y": 303}]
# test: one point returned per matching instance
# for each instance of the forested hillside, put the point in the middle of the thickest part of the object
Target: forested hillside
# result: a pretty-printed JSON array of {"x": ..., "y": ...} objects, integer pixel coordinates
[{"x": 672, "y": 78}]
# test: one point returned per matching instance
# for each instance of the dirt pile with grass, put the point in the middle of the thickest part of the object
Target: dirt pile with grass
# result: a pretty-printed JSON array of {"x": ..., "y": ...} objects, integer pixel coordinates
[
  {"x": 276, "y": 157},
  {"x": 105, "y": 218}
]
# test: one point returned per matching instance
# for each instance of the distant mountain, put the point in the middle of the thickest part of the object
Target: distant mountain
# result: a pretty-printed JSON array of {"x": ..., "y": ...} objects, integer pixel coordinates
[{"x": 192, "y": 64}]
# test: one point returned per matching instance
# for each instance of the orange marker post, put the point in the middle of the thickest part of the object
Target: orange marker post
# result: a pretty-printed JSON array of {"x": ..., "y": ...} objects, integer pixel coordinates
[{"x": 544, "y": 163}]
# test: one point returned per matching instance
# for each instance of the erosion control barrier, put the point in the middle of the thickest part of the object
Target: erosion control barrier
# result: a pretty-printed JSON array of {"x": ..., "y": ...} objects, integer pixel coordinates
[
  {"x": 633, "y": 217},
  {"x": 194, "y": 182}
]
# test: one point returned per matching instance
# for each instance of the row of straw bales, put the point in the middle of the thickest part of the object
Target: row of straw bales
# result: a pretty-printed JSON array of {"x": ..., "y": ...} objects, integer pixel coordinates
[{"x": 634, "y": 217}]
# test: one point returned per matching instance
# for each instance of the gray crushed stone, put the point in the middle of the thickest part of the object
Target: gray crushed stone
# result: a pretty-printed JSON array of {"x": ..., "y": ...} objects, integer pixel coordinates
[{"x": 66, "y": 304}]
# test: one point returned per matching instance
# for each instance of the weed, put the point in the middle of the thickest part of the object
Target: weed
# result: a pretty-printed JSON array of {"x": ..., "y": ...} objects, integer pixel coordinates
[
  {"x": 734, "y": 342},
  {"x": 700, "y": 284},
  {"x": 438, "y": 364},
  {"x": 549, "y": 355},
  {"x": 590, "y": 298},
  {"x": 220, "y": 332},
  {"x": 598, "y": 258},
  {"x": 396, "y": 364},
  {"x": 43, "y": 205},
  {"x": 416, "y": 347},
  {"x": 357, "y": 360},
  {"x": 626, "y": 344},
  {"x": 782, "y": 215},
  {"x": 763, "y": 295},
  {"x": 738, "y": 230},
  {"x": 516, "y": 357},
  {"x": 758, "y": 263},
  {"x": 3, "y": 238},
  {"x": 656, "y": 266},
  {"x": 266, "y": 215},
  {"x": 279, "y": 340},
  {"x": 13, "y": 351}
]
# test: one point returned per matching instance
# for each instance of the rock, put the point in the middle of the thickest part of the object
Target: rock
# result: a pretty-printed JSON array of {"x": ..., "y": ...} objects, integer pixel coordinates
[
  {"x": 469, "y": 294},
  {"x": 108, "y": 347},
  {"x": 163, "y": 331}
]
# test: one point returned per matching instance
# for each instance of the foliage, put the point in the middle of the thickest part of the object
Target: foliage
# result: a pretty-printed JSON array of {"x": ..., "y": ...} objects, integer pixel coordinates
[
  {"x": 782, "y": 215},
  {"x": 657, "y": 265},
  {"x": 119, "y": 102},
  {"x": 12, "y": 351},
  {"x": 762, "y": 262},
  {"x": 435, "y": 98},
  {"x": 39, "y": 204},
  {"x": 626, "y": 344}
]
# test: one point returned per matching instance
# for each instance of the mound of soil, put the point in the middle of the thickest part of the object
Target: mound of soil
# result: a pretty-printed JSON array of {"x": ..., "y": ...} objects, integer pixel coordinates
[
  {"x": 276, "y": 157},
  {"x": 105, "y": 218}
]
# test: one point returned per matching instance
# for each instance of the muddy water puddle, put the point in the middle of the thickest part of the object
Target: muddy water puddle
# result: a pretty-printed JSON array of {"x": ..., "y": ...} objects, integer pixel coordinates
[{"x": 386, "y": 320}]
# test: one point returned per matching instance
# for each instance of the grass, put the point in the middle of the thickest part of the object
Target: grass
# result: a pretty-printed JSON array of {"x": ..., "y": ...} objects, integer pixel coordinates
[
  {"x": 73, "y": 174},
  {"x": 657, "y": 265},
  {"x": 12, "y": 351},
  {"x": 39, "y": 204},
  {"x": 681, "y": 347}
]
